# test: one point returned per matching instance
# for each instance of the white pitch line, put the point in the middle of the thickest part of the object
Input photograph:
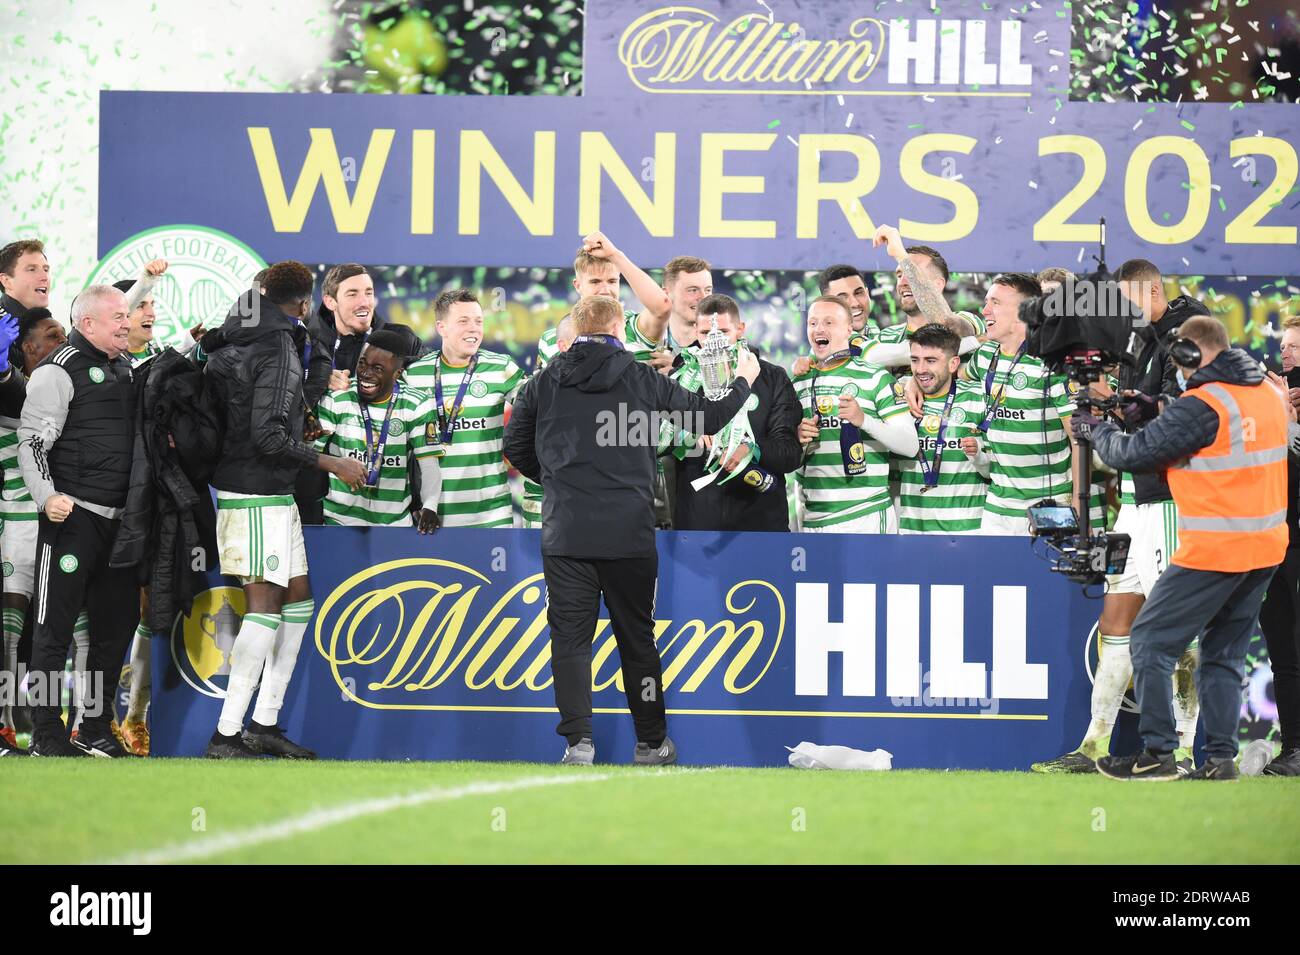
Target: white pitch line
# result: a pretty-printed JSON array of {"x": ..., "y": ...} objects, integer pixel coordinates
[{"x": 317, "y": 819}]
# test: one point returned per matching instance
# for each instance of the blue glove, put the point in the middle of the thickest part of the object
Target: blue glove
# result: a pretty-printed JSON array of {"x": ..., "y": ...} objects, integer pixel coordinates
[{"x": 8, "y": 335}]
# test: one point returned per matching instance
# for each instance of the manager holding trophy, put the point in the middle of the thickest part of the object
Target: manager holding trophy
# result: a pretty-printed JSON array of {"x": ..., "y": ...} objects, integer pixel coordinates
[{"x": 586, "y": 428}]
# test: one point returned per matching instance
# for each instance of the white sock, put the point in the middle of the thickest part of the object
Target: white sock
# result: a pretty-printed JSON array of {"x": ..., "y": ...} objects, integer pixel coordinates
[
  {"x": 1114, "y": 672},
  {"x": 280, "y": 661},
  {"x": 141, "y": 674},
  {"x": 1187, "y": 701},
  {"x": 80, "y": 675},
  {"x": 252, "y": 645},
  {"x": 13, "y": 632}
]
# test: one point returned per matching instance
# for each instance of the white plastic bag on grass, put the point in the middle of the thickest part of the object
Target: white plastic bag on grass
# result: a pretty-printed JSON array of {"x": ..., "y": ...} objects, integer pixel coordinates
[{"x": 811, "y": 756}]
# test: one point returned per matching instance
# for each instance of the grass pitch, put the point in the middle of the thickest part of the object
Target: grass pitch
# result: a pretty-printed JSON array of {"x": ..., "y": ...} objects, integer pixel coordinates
[{"x": 178, "y": 810}]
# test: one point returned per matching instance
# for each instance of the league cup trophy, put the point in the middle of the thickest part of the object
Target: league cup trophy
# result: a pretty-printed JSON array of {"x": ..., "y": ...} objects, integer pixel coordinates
[{"x": 717, "y": 364}]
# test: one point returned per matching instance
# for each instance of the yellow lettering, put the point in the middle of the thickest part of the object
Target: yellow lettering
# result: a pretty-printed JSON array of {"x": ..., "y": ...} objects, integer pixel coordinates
[
  {"x": 966, "y": 205},
  {"x": 714, "y": 184},
  {"x": 322, "y": 165},
  {"x": 422, "y": 182},
  {"x": 478, "y": 155},
  {"x": 1245, "y": 227},
  {"x": 847, "y": 195},
  {"x": 597, "y": 155},
  {"x": 1053, "y": 227},
  {"x": 1198, "y": 196}
]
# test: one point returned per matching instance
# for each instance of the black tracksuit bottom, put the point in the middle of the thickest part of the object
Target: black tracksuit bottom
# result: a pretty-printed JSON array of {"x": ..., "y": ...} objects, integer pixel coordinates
[
  {"x": 72, "y": 572},
  {"x": 574, "y": 587},
  {"x": 1279, "y": 618}
]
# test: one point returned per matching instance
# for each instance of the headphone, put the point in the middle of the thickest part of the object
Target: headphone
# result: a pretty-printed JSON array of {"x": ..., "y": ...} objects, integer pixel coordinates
[{"x": 1185, "y": 353}]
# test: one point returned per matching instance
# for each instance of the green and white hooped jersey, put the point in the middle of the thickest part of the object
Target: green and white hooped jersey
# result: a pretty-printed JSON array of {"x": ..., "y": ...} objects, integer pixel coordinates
[
  {"x": 1028, "y": 447},
  {"x": 339, "y": 414},
  {"x": 475, "y": 492},
  {"x": 16, "y": 502},
  {"x": 956, "y": 503},
  {"x": 830, "y": 496}
]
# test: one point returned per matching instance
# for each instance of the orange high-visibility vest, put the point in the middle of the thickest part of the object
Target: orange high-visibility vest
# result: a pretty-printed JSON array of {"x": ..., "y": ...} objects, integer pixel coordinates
[{"x": 1231, "y": 495}]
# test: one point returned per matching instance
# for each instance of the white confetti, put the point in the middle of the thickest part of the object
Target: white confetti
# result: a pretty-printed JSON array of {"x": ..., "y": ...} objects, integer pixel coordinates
[
  {"x": 848, "y": 121},
  {"x": 1137, "y": 124},
  {"x": 1032, "y": 184}
]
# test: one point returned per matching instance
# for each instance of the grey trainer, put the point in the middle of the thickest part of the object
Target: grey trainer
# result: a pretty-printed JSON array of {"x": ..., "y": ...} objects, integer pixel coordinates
[
  {"x": 664, "y": 755},
  {"x": 581, "y": 753}
]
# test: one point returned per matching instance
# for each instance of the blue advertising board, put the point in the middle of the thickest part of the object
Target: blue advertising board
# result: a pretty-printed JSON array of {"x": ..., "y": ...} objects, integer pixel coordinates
[
  {"x": 753, "y": 140},
  {"x": 947, "y": 652}
]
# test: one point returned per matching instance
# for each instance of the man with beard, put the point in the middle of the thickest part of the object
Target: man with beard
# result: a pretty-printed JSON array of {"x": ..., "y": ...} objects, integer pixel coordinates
[
  {"x": 377, "y": 421},
  {"x": 941, "y": 489},
  {"x": 921, "y": 275}
]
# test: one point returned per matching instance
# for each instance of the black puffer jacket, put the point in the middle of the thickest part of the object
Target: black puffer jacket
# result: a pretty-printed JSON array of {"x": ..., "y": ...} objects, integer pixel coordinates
[
  {"x": 1185, "y": 427},
  {"x": 257, "y": 375},
  {"x": 168, "y": 521},
  {"x": 1153, "y": 373}
]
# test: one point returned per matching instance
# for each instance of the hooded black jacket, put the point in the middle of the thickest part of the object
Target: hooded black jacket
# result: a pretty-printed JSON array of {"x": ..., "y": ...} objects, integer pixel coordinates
[
  {"x": 1153, "y": 373},
  {"x": 735, "y": 506},
  {"x": 586, "y": 428},
  {"x": 257, "y": 373},
  {"x": 325, "y": 356},
  {"x": 1182, "y": 429}
]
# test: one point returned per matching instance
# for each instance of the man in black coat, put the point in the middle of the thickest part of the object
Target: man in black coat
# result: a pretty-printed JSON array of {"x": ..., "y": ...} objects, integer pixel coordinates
[
  {"x": 755, "y": 499},
  {"x": 586, "y": 428}
]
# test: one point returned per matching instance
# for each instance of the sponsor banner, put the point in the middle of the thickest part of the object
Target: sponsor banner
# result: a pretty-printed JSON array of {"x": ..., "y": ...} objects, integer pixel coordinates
[
  {"x": 947, "y": 652},
  {"x": 752, "y": 141}
]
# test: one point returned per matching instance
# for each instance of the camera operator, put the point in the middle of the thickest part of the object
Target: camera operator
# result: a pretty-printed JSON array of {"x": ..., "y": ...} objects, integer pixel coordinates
[
  {"x": 1147, "y": 515},
  {"x": 1224, "y": 446}
]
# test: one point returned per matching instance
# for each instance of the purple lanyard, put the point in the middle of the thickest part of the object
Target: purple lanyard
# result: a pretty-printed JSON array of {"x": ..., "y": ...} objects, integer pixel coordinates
[
  {"x": 447, "y": 419},
  {"x": 988, "y": 385},
  {"x": 928, "y": 472},
  {"x": 375, "y": 449}
]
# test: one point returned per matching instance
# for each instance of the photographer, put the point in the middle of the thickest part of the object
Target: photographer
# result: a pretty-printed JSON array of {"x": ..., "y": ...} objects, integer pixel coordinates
[
  {"x": 1224, "y": 446},
  {"x": 1147, "y": 515}
]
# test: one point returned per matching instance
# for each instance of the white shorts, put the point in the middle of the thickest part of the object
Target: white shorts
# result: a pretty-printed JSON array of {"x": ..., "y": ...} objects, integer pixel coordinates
[
  {"x": 881, "y": 522},
  {"x": 1000, "y": 525},
  {"x": 18, "y": 553},
  {"x": 1153, "y": 532},
  {"x": 259, "y": 537}
]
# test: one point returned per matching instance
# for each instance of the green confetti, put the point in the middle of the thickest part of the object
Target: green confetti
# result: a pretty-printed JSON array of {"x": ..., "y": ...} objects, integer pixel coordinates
[{"x": 774, "y": 124}]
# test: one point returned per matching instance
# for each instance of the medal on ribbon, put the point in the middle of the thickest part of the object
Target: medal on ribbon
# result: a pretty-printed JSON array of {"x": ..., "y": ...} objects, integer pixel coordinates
[
  {"x": 930, "y": 470},
  {"x": 375, "y": 448},
  {"x": 448, "y": 413}
]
